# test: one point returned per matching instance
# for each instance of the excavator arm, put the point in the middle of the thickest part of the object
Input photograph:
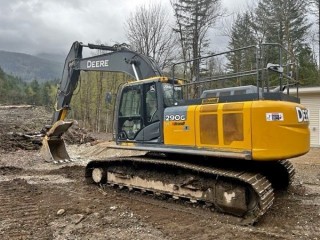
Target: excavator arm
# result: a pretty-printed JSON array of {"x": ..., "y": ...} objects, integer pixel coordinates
[{"x": 118, "y": 59}]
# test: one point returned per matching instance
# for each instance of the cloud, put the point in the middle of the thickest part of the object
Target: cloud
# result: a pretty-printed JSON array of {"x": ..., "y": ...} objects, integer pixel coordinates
[
  {"x": 35, "y": 26},
  {"x": 44, "y": 26}
]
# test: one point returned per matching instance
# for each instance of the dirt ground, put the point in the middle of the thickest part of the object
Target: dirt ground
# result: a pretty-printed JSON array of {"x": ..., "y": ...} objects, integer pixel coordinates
[{"x": 39, "y": 200}]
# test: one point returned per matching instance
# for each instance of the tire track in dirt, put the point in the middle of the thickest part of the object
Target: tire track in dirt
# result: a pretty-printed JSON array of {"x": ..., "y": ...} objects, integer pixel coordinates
[{"x": 20, "y": 216}]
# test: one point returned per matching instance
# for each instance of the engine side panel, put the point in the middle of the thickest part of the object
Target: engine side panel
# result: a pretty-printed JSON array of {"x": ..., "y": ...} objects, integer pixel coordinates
[
  {"x": 268, "y": 130},
  {"x": 224, "y": 126}
]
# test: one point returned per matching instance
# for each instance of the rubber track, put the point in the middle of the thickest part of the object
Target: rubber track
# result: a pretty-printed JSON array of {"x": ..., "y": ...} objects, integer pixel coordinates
[{"x": 259, "y": 183}]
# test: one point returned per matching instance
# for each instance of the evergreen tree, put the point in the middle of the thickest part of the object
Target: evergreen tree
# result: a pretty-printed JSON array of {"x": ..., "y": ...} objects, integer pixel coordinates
[
  {"x": 1, "y": 73},
  {"x": 308, "y": 74},
  {"x": 242, "y": 35},
  {"x": 284, "y": 22},
  {"x": 15, "y": 91},
  {"x": 45, "y": 91},
  {"x": 276, "y": 21},
  {"x": 2, "y": 83},
  {"x": 36, "y": 94},
  {"x": 11, "y": 89},
  {"x": 193, "y": 20}
]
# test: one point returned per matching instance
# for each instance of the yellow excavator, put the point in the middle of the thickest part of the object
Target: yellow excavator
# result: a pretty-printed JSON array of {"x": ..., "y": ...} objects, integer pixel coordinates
[{"x": 228, "y": 148}]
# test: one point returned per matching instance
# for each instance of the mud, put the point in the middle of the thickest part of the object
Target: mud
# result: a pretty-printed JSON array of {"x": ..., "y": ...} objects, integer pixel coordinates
[
  {"x": 39, "y": 200},
  {"x": 23, "y": 126}
]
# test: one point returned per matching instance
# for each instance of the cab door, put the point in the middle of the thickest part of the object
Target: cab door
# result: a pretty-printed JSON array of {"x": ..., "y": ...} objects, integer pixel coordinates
[
  {"x": 139, "y": 113},
  {"x": 130, "y": 120}
]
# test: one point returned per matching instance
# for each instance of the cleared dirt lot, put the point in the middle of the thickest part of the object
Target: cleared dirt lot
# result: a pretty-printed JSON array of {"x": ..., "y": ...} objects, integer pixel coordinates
[{"x": 39, "y": 200}]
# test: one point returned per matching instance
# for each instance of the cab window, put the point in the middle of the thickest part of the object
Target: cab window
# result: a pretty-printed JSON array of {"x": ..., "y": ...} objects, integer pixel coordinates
[
  {"x": 151, "y": 103},
  {"x": 130, "y": 103},
  {"x": 171, "y": 93},
  {"x": 130, "y": 121}
]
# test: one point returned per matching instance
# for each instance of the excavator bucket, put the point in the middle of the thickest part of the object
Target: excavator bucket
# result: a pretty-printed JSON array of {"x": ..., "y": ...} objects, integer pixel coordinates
[{"x": 53, "y": 146}]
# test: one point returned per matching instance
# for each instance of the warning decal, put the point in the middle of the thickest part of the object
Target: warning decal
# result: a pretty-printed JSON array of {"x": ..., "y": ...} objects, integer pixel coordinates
[{"x": 274, "y": 117}]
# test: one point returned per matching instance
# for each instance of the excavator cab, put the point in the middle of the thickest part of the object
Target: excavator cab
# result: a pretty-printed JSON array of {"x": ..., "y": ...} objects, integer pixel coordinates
[{"x": 140, "y": 110}]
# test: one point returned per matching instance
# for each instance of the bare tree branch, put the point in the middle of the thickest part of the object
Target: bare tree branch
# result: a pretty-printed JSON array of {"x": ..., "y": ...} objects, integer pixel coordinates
[{"x": 149, "y": 33}]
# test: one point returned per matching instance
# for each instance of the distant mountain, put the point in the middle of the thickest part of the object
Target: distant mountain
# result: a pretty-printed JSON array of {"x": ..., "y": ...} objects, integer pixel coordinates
[
  {"x": 29, "y": 67},
  {"x": 59, "y": 58}
]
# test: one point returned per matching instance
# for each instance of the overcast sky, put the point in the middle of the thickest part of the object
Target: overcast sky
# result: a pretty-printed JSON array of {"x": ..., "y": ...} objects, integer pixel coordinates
[{"x": 37, "y": 26}]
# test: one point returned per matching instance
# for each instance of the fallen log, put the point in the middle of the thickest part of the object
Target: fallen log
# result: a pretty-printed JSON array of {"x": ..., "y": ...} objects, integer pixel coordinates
[{"x": 6, "y": 107}]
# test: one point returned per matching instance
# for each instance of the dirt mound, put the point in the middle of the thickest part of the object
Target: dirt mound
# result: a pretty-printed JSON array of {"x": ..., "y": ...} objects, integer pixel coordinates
[
  {"x": 13, "y": 141},
  {"x": 77, "y": 135},
  {"x": 21, "y": 128}
]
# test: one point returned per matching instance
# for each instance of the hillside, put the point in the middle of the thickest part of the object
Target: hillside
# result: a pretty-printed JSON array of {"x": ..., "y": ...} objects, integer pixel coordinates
[{"x": 28, "y": 67}]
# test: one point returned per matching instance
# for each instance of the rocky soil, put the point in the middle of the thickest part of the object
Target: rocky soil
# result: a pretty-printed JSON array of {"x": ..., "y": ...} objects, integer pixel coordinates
[
  {"x": 23, "y": 126},
  {"x": 39, "y": 200}
]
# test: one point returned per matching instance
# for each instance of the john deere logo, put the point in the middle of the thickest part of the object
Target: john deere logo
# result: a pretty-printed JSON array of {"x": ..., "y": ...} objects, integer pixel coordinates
[{"x": 302, "y": 114}]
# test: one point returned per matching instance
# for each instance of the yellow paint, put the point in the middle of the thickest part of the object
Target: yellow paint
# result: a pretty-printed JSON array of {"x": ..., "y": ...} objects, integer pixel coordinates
[
  {"x": 128, "y": 144},
  {"x": 155, "y": 79},
  {"x": 273, "y": 140},
  {"x": 238, "y": 134},
  {"x": 181, "y": 132},
  {"x": 236, "y": 127},
  {"x": 64, "y": 113}
]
